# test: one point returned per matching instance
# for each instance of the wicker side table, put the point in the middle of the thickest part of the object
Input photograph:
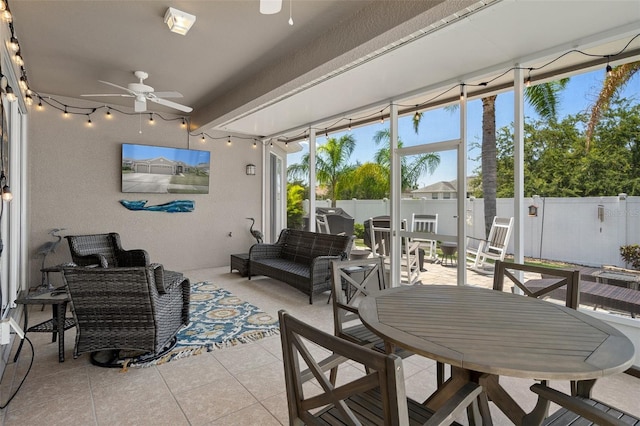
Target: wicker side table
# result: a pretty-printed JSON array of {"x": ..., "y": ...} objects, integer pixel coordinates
[{"x": 240, "y": 262}]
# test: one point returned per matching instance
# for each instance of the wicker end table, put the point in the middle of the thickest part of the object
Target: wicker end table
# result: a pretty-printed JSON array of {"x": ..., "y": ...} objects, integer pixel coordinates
[
  {"x": 57, "y": 325},
  {"x": 240, "y": 262},
  {"x": 448, "y": 250}
]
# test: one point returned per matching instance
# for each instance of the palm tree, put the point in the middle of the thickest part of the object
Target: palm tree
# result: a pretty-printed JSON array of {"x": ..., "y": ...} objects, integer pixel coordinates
[
  {"x": 331, "y": 164},
  {"x": 410, "y": 172},
  {"x": 613, "y": 83},
  {"x": 544, "y": 99}
]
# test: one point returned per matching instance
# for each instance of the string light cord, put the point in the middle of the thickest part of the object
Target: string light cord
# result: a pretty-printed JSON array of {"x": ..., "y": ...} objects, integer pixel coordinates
[{"x": 25, "y": 375}]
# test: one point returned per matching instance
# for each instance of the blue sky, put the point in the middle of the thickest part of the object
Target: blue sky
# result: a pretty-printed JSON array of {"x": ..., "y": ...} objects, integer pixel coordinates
[
  {"x": 145, "y": 152},
  {"x": 441, "y": 125}
]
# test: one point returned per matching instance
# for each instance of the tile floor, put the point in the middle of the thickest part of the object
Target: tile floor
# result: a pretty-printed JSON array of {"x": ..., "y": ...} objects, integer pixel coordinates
[{"x": 242, "y": 385}]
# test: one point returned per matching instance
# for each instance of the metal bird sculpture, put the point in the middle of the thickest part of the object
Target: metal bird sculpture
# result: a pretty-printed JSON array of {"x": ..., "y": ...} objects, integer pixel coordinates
[
  {"x": 46, "y": 248},
  {"x": 256, "y": 234}
]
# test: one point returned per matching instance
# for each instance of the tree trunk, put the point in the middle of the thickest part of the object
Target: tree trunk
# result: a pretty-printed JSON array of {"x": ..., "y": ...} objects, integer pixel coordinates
[{"x": 489, "y": 167}]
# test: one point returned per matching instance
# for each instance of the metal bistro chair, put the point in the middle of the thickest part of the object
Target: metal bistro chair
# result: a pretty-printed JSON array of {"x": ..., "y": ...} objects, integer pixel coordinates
[{"x": 377, "y": 397}]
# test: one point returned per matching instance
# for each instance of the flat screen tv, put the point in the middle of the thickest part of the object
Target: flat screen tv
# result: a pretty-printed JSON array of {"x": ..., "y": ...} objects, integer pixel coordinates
[{"x": 157, "y": 169}]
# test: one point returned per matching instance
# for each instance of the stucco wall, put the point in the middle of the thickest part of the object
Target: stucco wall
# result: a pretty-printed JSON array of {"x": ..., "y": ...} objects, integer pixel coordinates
[{"x": 74, "y": 182}]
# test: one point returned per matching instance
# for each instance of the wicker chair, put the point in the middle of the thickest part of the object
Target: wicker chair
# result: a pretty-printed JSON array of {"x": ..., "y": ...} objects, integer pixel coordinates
[
  {"x": 137, "y": 309},
  {"x": 104, "y": 250}
]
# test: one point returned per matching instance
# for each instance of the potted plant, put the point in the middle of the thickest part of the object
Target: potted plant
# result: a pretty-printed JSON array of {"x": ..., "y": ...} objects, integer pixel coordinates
[{"x": 631, "y": 255}]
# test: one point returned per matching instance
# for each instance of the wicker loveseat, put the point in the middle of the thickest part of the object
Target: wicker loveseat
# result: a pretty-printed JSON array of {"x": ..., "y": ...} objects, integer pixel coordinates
[{"x": 301, "y": 259}]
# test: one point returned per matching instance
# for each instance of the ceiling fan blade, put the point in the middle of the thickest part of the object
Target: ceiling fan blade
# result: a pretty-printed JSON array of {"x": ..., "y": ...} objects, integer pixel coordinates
[
  {"x": 168, "y": 94},
  {"x": 124, "y": 95},
  {"x": 115, "y": 85},
  {"x": 170, "y": 104},
  {"x": 140, "y": 105}
]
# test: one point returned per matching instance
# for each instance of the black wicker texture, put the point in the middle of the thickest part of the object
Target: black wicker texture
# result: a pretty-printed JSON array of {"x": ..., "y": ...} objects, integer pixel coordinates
[
  {"x": 104, "y": 250},
  {"x": 301, "y": 259},
  {"x": 121, "y": 308}
]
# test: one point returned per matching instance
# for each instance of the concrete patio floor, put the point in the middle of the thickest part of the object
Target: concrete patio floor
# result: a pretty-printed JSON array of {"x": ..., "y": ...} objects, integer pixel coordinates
[{"x": 241, "y": 385}]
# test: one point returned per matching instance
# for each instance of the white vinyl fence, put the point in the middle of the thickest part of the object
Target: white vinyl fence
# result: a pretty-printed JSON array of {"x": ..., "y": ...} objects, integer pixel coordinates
[{"x": 585, "y": 231}]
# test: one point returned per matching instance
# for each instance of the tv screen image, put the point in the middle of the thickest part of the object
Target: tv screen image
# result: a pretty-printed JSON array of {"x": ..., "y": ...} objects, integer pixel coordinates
[{"x": 163, "y": 170}]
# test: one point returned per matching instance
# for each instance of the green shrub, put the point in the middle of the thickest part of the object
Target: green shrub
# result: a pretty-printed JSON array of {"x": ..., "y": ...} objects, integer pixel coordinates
[
  {"x": 631, "y": 255},
  {"x": 358, "y": 230}
]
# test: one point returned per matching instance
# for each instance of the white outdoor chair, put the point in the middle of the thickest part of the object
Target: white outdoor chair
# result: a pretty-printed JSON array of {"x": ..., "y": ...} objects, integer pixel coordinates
[
  {"x": 381, "y": 246},
  {"x": 322, "y": 224},
  {"x": 494, "y": 247},
  {"x": 426, "y": 223}
]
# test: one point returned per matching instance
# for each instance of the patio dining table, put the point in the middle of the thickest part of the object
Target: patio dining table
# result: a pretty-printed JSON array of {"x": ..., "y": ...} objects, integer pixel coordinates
[{"x": 484, "y": 334}]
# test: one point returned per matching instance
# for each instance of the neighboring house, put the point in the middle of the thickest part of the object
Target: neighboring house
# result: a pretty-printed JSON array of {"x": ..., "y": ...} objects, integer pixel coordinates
[
  {"x": 441, "y": 190},
  {"x": 159, "y": 166}
]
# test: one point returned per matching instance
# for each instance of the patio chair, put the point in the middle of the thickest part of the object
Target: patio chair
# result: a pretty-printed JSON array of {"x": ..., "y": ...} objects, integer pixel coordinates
[
  {"x": 104, "y": 250},
  {"x": 577, "y": 410},
  {"x": 118, "y": 310},
  {"x": 560, "y": 284},
  {"x": 322, "y": 224},
  {"x": 426, "y": 223},
  {"x": 478, "y": 251},
  {"x": 380, "y": 242},
  {"x": 377, "y": 397}
]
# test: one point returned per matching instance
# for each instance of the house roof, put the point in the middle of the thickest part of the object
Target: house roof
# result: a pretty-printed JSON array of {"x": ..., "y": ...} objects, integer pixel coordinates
[{"x": 247, "y": 73}]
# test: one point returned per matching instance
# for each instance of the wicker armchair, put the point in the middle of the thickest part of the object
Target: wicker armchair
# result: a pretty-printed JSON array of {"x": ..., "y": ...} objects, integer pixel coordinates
[
  {"x": 137, "y": 309},
  {"x": 104, "y": 250}
]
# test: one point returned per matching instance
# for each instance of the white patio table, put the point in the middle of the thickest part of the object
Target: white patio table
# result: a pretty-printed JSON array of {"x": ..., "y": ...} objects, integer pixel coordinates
[{"x": 484, "y": 334}]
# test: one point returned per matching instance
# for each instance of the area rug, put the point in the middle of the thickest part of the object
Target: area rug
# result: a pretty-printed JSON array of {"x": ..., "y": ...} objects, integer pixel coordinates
[{"x": 218, "y": 319}]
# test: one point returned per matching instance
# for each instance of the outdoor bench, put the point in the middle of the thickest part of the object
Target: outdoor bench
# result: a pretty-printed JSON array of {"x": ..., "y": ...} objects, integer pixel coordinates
[
  {"x": 301, "y": 259},
  {"x": 597, "y": 294}
]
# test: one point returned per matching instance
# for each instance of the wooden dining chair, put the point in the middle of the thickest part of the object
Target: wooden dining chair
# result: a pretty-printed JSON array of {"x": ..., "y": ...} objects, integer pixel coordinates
[
  {"x": 558, "y": 283},
  {"x": 577, "y": 410},
  {"x": 377, "y": 397}
]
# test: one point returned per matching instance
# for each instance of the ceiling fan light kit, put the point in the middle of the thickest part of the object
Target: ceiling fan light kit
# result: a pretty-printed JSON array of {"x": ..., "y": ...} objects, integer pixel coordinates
[
  {"x": 269, "y": 7},
  {"x": 178, "y": 21}
]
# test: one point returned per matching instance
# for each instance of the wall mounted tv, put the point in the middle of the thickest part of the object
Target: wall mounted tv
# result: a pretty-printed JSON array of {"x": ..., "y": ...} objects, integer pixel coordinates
[{"x": 157, "y": 169}]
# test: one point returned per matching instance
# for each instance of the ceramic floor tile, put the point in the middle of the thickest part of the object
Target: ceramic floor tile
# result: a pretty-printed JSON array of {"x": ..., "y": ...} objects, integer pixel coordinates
[
  {"x": 192, "y": 372},
  {"x": 210, "y": 402},
  {"x": 244, "y": 357},
  {"x": 253, "y": 415},
  {"x": 265, "y": 381},
  {"x": 52, "y": 411}
]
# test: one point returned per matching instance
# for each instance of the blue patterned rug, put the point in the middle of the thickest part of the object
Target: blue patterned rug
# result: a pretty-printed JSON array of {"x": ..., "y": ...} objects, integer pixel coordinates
[{"x": 218, "y": 319}]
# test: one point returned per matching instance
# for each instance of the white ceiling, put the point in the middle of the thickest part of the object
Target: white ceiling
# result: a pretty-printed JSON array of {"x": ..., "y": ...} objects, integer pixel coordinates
[{"x": 254, "y": 74}]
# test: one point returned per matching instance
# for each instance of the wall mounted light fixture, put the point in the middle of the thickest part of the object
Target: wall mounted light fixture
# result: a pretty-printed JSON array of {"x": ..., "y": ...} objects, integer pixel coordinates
[
  {"x": 251, "y": 169},
  {"x": 533, "y": 210},
  {"x": 6, "y": 192}
]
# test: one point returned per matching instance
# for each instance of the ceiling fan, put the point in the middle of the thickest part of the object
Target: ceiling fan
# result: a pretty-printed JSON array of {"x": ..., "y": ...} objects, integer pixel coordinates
[{"x": 141, "y": 92}]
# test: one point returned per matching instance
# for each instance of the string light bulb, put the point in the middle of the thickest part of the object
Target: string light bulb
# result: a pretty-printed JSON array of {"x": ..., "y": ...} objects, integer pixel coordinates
[
  {"x": 109, "y": 116},
  {"x": 151, "y": 119},
  {"x": 40, "y": 107},
  {"x": 89, "y": 122},
  {"x": 416, "y": 116},
  {"x": 609, "y": 70},
  {"x": 66, "y": 113},
  {"x": 255, "y": 144},
  {"x": 28, "y": 99},
  {"x": 13, "y": 44},
  {"x": 184, "y": 123},
  {"x": 349, "y": 124},
  {"x": 228, "y": 140},
  {"x": 3, "y": 5},
  {"x": 18, "y": 58},
  {"x": 461, "y": 92},
  {"x": 6, "y": 15},
  {"x": 11, "y": 96},
  {"x": 23, "y": 83},
  {"x": 203, "y": 138},
  {"x": 381, "y": 117}
]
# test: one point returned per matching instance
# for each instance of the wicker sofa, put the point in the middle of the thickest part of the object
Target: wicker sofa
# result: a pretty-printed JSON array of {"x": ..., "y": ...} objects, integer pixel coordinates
[{"x": 301, "y": 259}]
